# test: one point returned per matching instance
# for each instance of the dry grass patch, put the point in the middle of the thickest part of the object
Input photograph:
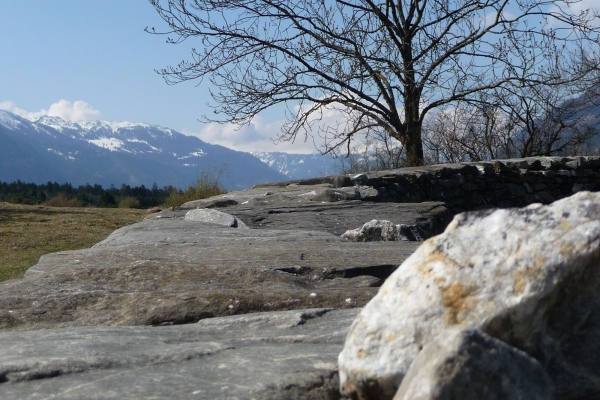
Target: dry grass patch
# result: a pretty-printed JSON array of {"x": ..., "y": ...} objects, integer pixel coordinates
[{"x": 28, "y": 232}]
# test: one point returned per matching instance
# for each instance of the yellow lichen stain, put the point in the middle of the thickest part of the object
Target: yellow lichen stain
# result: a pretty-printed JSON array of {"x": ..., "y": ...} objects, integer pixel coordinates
[
  {"x": 528, "y": 273},
  {"x": 520, "y": 282},
  {"x": 361, "y": 353},
  {"x": 389, "y": 338},
  {"x": 565, "y": 225},
  {"x": 456, "y": 300},
  {"x": 430, "y": 258}
]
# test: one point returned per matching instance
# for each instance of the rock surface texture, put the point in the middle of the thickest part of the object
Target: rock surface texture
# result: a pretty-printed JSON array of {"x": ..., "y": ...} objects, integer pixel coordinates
[
  {"x": 200, "y": 262},
  {"x": 192, "y": 263},
  {"x": 278, "y": 355},
  {"x": 528, "y": 277},
  {"x": 466, "y": 364},
  {"x": 250, "y": 295}
]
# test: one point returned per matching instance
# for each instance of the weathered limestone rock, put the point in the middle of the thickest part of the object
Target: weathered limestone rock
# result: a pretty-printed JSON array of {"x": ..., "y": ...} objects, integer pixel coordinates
[
  {"x": 179, "y": 266},
  {"x": 466, "y": 364},
  {"x": 321, "y": 208},
  {"x": 528, "y": 277},
  {"x": 277, "y": 355},
  {"x": 174, "y": 271},
  {"x": 214, "y": 217}
]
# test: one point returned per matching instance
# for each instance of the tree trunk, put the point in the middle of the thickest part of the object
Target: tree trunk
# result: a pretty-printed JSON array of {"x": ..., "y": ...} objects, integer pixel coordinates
[{"x": 413, "y": 145}]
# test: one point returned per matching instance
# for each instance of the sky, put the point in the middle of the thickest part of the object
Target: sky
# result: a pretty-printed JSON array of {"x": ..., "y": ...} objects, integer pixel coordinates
[{"x": 92, "y": 59}]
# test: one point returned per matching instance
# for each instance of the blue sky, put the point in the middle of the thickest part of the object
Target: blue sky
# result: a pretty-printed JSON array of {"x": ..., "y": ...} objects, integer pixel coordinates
[
  {"x": 91, "y": 59},
  {"x": 95, "y": 56}
]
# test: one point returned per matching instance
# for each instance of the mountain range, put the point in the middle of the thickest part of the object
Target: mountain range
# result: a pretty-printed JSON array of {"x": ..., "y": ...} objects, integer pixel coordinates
[
  {"x": 105, "y": 153},
  {"x": 299, "y": 166}
]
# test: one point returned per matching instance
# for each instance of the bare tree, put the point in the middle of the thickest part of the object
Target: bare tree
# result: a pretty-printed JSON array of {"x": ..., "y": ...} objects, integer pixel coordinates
[
  {"x": 467, "y": 132},
  {"x": 382, "y": 65},
  {"x": 533, "y": 121},
  {"x": 375, "y": 153}
]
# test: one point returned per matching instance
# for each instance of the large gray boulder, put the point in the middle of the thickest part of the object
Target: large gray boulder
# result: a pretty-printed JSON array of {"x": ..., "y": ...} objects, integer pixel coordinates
[
  {"x": 278, "y": 355},
  {"x": 467, "y": 364},
  {"x": 528, "y": 277}
]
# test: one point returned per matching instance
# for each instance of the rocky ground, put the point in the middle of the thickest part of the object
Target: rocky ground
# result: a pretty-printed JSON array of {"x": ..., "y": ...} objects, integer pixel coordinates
[
  {"x": 258, "y": 295},
  {"x": 123, "y": 314}
]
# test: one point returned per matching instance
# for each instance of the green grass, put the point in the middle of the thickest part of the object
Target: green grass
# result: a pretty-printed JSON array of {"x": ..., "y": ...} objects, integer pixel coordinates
[{"x": 28, "y": 232}]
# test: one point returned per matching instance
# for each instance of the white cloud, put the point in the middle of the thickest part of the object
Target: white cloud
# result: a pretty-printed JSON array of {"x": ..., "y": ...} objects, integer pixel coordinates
[
  {"x": 76, "y": 111},
  {"x": 255, "y": 136},
  {"x": 576, "y": 8},
  {"x": 258, "y": 135}
]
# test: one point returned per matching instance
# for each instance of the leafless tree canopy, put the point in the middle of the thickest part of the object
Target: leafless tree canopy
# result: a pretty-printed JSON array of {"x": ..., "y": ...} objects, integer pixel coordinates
[{"x": 382, "y": 65}]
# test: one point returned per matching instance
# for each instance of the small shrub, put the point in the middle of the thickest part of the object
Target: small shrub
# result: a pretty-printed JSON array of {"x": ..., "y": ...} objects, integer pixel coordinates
[
  {"x": 206, "y": 186},
  {"x": 107, "y": 200},
  {"x": 61, "y": 200},
  {"x": 129, "y": 202}
]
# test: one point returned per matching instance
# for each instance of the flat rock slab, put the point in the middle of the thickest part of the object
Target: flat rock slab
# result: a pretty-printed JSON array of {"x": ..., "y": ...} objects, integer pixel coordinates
[
  {"x": 321, "y": 208},
  {"x": 173, "y": 271},
  {"x": 278, "y": 355}
]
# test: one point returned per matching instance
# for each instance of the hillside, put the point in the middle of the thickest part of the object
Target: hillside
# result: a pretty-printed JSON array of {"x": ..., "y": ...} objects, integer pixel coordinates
[{"x": 105, "y": 153}]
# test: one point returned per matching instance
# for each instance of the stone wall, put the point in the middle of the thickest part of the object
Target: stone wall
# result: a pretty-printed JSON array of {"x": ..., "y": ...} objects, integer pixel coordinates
[{"x": 480, "y": 185}]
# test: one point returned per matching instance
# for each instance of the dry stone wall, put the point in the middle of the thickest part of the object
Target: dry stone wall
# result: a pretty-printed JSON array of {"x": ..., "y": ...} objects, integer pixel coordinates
[{"x": 481, "y": 185}]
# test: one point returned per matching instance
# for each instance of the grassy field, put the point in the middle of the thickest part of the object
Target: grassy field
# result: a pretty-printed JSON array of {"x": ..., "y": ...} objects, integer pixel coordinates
[{"x": 28, "y": 232}]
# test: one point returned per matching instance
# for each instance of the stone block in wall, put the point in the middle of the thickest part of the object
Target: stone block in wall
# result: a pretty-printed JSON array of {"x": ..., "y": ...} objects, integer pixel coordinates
[
  {"x": 435, "y": 192},
  {"x": 475, "y": 199},
  {"x": 532, "y": 176},
  {"x": 545, "y": 197},
  {"x": 454, "y": 192},
  {"x": 486, "y": 169},
  {"x": 402, "y": 192},
  {"x": 528, "y": 199},
  {"x": 581, "y": 187},
  {"x": 593, "y": 162},
  {"x": 577, "y": 162},
  {"x": 470, "y": 186},
  {"x": 414, "y": 198},
  {"x": 550, "y": 174},
  {"x": 512, "y": 176},
  {"x": 516, "y": 190},
  {"x": 359, "y": 179},
  {"x": 563, "y": 172},
  {"x": 449, "y": 183}
]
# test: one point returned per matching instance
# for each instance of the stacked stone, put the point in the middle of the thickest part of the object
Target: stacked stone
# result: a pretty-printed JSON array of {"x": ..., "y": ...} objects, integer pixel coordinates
[{"x": 481, "y": 185}]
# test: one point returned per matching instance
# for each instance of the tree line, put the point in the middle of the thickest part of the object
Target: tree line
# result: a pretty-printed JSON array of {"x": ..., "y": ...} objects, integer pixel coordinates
[{"x": 53, "y": 193}]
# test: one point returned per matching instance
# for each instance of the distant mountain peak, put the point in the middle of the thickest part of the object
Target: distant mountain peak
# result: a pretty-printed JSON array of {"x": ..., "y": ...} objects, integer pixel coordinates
[
  {"x": 12, "y": 121},
  {"x": 107, "y": 152}
]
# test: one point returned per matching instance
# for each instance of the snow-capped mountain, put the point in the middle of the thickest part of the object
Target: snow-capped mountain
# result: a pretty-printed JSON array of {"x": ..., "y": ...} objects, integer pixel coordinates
[
  {"x": 299, "y": 166},
  {"x": 104, "y": 152}
]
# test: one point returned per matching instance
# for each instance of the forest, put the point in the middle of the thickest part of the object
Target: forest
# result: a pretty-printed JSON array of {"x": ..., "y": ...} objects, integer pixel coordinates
[{"x": 55, "y": 194}]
